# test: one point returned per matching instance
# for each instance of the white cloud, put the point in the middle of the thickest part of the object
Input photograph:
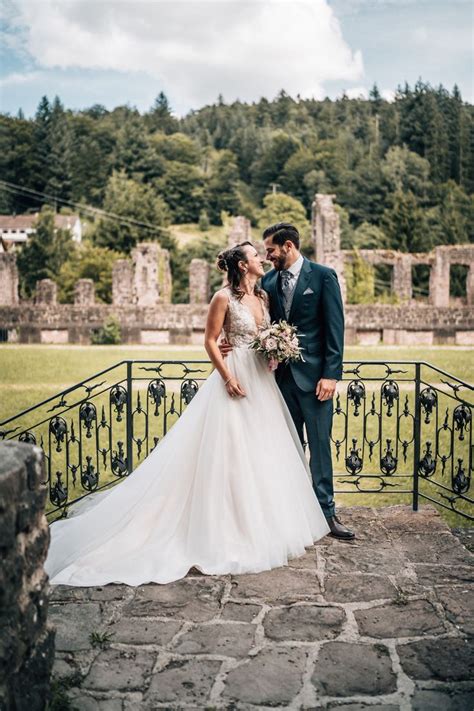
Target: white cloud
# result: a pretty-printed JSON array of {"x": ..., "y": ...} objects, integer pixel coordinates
[
  {"x": 388, "y": 95},
  {"x": 16, "y": 78},
  {"x": 357, "y": 92},
  {"x": 195, "y": 49}
]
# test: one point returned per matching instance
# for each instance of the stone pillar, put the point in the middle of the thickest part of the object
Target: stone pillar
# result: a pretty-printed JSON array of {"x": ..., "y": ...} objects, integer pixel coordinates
[
  {"x": 46, "y": 292},
  {"x": 401, "y": 277},
  {"x": 27, "y": 640},
  {"x": 8, "y": 280},
  {"x": 439, "y": 278},
  {"x": 199, "y": 282},
  {"x": 325, "y": 228},
  {"x": 84, "y": 292},
  {"x": 240, "y": 231},
  {"x": 470, "y": 286},
  {"x": 165, "y": 282},
  {"x": 151, "y": 280},
  {"x": 122, "y": 279},
  {"x": 326, "y": 236}
]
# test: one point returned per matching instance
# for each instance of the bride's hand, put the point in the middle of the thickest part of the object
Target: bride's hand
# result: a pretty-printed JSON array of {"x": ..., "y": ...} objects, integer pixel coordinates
[{"x": 234, "y": 388}]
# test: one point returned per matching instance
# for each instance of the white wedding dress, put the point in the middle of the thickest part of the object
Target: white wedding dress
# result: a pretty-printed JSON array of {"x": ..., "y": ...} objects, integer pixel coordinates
[{"x": 227, "y": 490}]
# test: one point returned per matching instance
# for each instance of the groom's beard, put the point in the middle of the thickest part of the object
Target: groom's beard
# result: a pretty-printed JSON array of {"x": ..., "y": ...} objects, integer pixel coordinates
[{"x": 279, "y": 263}]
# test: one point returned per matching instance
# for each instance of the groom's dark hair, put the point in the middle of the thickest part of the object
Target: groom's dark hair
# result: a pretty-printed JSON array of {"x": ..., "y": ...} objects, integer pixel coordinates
[{"x": 283, "y": 232}]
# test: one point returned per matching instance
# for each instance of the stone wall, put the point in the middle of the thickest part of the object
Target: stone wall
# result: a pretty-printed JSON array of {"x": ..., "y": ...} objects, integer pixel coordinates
[
  {"x": 184, "y": 323},
  {"x": 327, "y": 249},
  {"x": 199, "y": 281},
  {"x": 27, "y": 649},
  {"x": 144, "y": 279},
  {"x": 141, "y": 291}
]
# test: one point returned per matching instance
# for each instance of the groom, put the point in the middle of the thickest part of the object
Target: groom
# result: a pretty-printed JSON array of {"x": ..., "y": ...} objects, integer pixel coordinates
[{"x": 307, "y": 295}]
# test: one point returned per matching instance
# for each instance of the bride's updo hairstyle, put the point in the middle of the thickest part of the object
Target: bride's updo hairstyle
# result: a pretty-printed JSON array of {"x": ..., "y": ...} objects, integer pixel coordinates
[{"x": 228, "y": 261}]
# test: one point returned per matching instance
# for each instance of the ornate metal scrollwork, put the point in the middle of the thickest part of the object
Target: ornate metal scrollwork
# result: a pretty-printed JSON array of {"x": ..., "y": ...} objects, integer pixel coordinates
[
  {"x": 462, "y": 417},
  {"x": 89, "y": 476},
  {"x": 356, "y": 394},
  {"x": 118, "y": 399},
  {"x": 58, "y": 493},
  {"x": 353, "y": 459},
  {"x": 88, "y": 415},
  {"x": 157, "y": 391},
  {"x": 58, "y": 428},
  {"x": 460, "y": 481},
  {"x": 390, "y": 395},
  {"x": 188, "y": 390},
  {"x": 427, "y": 465},
  {"x": 428, "y": 401},
  {"x": 119, "y": 461},
  {"x": 388, "y": 463},
  {"x": 27, "y": 437}
]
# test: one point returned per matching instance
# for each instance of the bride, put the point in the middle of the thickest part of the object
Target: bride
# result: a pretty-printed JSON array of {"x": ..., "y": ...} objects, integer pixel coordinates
[{"x": 227, "y": 490}]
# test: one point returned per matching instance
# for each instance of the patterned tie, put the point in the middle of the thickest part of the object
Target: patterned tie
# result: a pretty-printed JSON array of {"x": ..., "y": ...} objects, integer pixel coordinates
[{"x": 286, "y": 278}]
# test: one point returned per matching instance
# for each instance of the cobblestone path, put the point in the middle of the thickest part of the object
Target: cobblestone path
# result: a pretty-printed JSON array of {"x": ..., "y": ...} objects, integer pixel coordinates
[{"x": 383, "y": 623}]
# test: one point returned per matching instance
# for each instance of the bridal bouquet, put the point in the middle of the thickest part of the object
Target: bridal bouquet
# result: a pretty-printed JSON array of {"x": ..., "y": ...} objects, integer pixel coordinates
[{"x": 278, "y": 343}]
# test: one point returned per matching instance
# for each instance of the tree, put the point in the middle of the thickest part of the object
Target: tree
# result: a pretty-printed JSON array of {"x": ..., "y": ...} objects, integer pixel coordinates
[
  {"x": 405, "y": 224},
  {"x": 293, "y": 178},
  {"x": 131, "y": 149},
  {"x": 60, "y": 145},
  {"x": 268, "y": 167},
  {"x": 360, "y": 280},
  {"x": 284, "y": 208},
  {"x": 405, "y": 170},
  {"x": 88, "y": 261},
  {"x": 160, "y": 117},
  {"x": 134, "y": 202},
  {"x": 41, "y": 146},
  {"x": 182, "y": 187},
  {"x": 222, "y": 189},
  {"x": 368, "y": 236},
  {"x": 451, "y": 220},
  {"x": 45, "y": 252}
]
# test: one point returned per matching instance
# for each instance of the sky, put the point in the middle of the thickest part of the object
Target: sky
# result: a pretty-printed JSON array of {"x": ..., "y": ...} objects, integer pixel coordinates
[{"x": 115, "y": 52}]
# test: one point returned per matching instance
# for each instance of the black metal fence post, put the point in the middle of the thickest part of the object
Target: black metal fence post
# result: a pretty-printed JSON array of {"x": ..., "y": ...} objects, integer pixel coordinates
[
  {"x": 417, "y": 437},
  {"x": 129, "y": 419}
]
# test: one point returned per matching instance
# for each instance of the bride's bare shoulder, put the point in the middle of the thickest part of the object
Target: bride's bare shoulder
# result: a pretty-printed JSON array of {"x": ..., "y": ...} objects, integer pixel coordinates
[
  {"x": 221, "y": 298},
  {"x": 221, "y": 295}
]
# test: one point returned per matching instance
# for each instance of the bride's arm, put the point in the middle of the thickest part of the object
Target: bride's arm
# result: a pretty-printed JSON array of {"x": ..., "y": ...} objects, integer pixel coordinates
[{"x": 214, "y": 324}]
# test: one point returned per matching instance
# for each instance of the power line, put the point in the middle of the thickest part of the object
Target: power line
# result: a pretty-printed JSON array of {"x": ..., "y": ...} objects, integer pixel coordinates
[{"x": 44, "y": 197}]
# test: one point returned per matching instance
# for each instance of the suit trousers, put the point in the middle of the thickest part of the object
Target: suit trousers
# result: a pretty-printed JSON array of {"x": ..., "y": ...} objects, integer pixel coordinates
[{"x": 316, "y": 416}]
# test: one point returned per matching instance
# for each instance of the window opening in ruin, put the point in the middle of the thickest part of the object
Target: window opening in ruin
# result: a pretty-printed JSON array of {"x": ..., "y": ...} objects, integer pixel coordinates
[
  {"x": 420, "y": 279},
  {"x": 458, "y": 281},
  {"x": 383, "y": 275}
]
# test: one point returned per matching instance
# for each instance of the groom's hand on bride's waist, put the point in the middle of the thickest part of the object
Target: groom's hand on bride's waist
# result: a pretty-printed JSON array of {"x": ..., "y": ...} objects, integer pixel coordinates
[
  {"x": 225, "y": 347},
  {"x": 325, "y": 389}
]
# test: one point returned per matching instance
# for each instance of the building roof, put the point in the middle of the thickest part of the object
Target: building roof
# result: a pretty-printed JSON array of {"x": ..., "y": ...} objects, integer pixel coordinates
[{"x": 27, "y": 222}]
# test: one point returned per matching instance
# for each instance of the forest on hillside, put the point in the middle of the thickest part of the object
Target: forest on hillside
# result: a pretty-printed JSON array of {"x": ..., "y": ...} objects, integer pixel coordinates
[{"x": 402, "y": 173}]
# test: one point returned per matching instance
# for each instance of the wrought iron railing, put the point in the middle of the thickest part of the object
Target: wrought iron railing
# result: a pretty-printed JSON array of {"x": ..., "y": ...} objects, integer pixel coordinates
[{"x": 400, "y": 428}]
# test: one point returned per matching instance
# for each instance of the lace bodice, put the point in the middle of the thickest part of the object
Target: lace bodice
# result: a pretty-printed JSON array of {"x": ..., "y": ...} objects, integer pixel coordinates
[{"x": 240, "y": 327}]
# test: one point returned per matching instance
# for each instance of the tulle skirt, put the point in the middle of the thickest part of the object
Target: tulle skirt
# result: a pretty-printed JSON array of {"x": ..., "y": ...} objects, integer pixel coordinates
[{"x": 227, "y": 490}]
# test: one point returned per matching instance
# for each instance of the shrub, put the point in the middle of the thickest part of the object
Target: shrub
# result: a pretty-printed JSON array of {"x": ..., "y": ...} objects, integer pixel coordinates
[{"x": 107, "y": 335}]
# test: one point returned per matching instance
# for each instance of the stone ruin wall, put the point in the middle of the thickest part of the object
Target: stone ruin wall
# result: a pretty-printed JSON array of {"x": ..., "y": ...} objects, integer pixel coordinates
[
  {"x": 27, "y": 638},
  {"x": 141, "y": 296}
]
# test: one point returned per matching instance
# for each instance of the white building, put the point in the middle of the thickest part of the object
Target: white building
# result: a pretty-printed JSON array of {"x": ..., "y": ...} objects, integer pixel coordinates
[{"x": 14, "y": 229}]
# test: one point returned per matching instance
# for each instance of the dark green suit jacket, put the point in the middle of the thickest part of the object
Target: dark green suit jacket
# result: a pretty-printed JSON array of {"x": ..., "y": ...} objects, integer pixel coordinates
[{"x": 318, "y": 314}]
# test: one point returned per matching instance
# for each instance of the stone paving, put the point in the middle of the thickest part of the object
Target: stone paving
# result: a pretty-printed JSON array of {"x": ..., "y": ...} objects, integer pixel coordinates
[{"x": 383, "y": 623}]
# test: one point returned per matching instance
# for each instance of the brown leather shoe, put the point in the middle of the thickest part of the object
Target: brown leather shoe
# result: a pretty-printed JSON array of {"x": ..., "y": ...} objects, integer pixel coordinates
[{"x": 338, "y": 530}]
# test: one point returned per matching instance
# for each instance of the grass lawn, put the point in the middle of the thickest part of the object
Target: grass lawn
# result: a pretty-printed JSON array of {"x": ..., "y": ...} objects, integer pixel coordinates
[
  {"x": 187, "y": 233},
  {"x": 30, "y": 374}
]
